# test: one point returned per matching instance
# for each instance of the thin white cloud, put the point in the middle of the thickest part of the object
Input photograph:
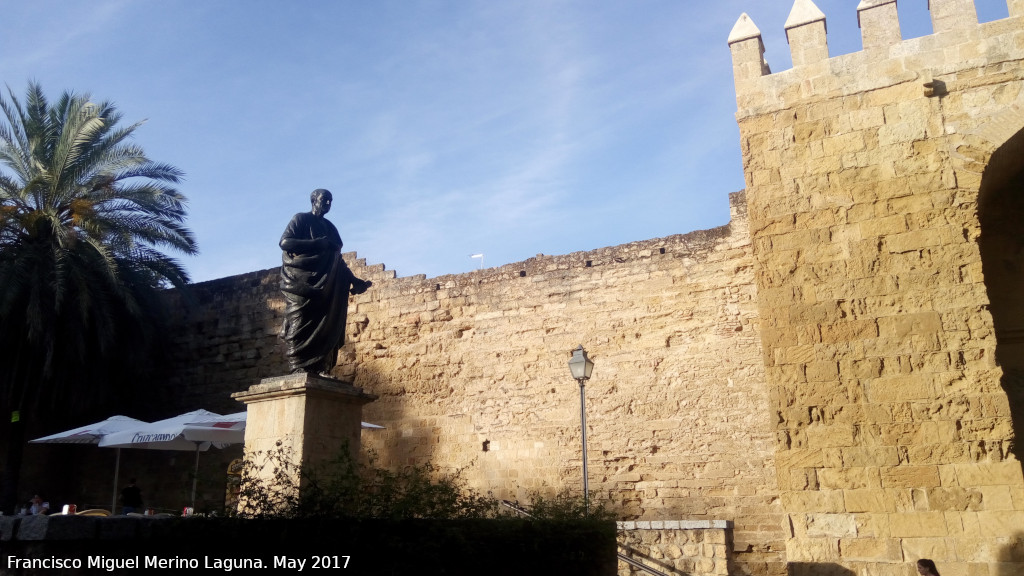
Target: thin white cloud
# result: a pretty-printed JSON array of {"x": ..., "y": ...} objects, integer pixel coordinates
[{"x": 79, "y": 25}]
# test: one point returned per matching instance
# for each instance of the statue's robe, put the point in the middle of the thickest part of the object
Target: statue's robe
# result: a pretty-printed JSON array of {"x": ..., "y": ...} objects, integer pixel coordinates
[{"x": 316, "y": 286}]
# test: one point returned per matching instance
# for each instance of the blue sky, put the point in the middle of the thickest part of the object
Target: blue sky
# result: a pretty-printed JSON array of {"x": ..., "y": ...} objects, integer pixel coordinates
[{"x": 443, "y": 128}]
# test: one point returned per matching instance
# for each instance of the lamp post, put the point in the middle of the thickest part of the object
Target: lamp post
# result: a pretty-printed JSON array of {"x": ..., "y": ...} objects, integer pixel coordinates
[{"x": 581, "y": 368}]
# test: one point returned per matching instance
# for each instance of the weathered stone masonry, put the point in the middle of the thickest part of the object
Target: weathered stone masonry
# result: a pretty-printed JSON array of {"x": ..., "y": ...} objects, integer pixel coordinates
[
  {"x": 839, "y": 375},
  {"x": 863, "y": 173},
  {"x": 677, "y": 409}
]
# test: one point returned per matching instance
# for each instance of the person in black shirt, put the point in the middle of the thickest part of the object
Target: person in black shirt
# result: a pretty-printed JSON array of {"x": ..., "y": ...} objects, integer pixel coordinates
[{"x": 131, "y": 498}]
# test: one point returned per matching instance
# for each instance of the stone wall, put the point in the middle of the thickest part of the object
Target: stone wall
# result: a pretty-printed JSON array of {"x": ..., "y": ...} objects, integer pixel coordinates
[
  {"x": 893, "y": 428},
  {"x": 839, "y": 375},
  {"x": 675, "y": 410},
  {"x": 695, "y": 548},
  {"x": 472, "y": 373}
]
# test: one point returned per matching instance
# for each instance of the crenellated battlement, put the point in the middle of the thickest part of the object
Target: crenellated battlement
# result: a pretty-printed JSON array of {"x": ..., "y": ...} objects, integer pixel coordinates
[{"x": 958, "y": 42}]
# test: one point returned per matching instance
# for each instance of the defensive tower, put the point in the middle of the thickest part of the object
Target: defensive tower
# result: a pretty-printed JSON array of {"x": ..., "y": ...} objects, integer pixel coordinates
[{"x": 884, "y": 192}]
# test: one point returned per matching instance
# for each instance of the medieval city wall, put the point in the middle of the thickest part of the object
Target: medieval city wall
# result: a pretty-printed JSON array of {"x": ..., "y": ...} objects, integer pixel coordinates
[
  {"x": 886, "y": 322},
  {"x": 471, "y": 372},
  {"x": 839, "y": 374}
]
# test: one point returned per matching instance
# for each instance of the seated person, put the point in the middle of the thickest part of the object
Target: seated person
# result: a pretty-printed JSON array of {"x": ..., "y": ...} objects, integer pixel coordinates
[{"x": 37, "y": 506}]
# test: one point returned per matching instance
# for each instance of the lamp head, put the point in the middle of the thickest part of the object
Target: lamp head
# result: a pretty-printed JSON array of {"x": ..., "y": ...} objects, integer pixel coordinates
[{"x": 581, "y": 366}]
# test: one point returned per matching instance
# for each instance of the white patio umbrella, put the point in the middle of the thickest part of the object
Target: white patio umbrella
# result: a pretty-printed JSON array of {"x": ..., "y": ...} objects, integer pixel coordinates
[
  {"x": 92, "y": 434},
  {"x": 196, "y": 430},
  {"x": 229, "y": 429},
  {"x": 225, "y": 430}
]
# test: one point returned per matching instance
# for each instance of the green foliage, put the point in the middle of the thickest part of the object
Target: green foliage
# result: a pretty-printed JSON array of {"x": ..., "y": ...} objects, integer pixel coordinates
[
  {"x": 565, "y": 505},
  {"x": 84, "y": 217},
  {"x": 342, "y": 488}
]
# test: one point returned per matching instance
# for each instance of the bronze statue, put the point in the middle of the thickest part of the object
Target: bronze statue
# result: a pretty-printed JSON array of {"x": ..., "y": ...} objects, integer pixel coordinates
[{"x": 316, "y": 283}]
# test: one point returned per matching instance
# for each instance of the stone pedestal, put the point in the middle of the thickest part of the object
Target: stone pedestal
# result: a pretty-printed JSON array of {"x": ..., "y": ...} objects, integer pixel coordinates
[{"x": 313, "y": 417}]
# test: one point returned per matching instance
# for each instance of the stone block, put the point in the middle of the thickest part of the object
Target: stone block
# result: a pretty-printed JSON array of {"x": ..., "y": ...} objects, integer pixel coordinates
[
  {"x": 822, "y": 393},
  {"x": 962, "y": 524},
  {"x": 917, "y": 525},
  {"x": 986, "y": 550},
  {"x": 795, "y": 354},
  {"x": 901, "y": 388},
  {"x": 906, "y": 324},
  {"x": 825, "y": 436},
  {"x": 822, "y": 371},
  {"x": 849, "y": 478},
  {"x": 989, "y": 474},
  {"x": 938, "y": 549},
  {"x": 870, "y": 549},
  {"x": 837, "y": 525},
  {"x": 910, "y": 241},
  {"x": 909, "y": 476},
  {"x": 952, "y": 451},
  {"x": 996, "y": 497},
  {"x": 814, "y": 501},
  {"x": 802, "y": 458},
  {"x": 869, "y": 456},
  {"x": 1001, "y": 523},
  {"x": 872, "y": 525},
  {"x": 894, "y": 224},
  {"x": 869, "y": 500},
  {"x": 955, "y": 498},
  {"x": 854, "y": 330},
  {"x": 715, "y": 536},
  {"x": 812, "y": 549}
]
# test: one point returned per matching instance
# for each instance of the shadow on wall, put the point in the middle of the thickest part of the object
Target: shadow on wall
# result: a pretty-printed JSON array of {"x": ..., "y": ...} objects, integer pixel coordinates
[
  {"x": 1011, "y": 557},
  {"x": 1001, "y": 243},
  {"x": 405, "y": 440},
  {"x": 818, "y": 569},
  {"x": 1013, "y": 383}
]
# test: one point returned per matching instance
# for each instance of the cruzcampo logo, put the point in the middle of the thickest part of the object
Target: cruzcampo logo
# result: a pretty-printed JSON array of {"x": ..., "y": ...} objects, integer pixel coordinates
[{"x": 16, "y": 416}]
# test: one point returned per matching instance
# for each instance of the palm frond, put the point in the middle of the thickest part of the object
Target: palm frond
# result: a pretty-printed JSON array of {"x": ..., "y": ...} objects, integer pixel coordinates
[{"x": 85, "y": 217}]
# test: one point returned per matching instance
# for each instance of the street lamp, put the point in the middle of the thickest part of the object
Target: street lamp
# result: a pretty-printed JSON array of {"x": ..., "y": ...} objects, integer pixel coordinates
[{"x": 581, "y": 368}]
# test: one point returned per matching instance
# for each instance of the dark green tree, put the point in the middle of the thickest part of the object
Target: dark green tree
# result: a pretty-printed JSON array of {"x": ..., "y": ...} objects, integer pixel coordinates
[{"x": 84, "y": 219}]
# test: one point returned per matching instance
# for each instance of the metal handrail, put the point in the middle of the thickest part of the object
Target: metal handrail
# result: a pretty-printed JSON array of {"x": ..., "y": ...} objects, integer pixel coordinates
[
  {"x": 636, "y": 564},
  {"x": 516, "y": 508},
  {"x": 519, "y": 509}
]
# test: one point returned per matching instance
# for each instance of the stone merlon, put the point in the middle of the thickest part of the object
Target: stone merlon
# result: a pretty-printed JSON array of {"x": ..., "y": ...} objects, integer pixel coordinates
[
  {"x": 807, "y": 34},
  {"x": 804, "y": 12},
  {"x": 747, "y": 51}
]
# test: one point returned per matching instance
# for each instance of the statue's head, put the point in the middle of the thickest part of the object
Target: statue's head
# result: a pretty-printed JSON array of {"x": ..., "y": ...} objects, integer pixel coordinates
[{"x": 321, "y": 200}]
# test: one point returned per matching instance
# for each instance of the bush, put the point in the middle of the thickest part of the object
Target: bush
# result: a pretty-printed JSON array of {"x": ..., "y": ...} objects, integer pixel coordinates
[
  {"x": 342, "y": 488},
  {"x": 565, "y": 505}
]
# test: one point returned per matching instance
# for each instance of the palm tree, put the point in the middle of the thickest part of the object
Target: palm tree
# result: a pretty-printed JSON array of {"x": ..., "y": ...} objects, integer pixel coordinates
[{"x": 84, "y": 215}]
